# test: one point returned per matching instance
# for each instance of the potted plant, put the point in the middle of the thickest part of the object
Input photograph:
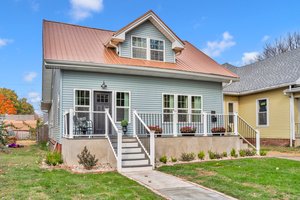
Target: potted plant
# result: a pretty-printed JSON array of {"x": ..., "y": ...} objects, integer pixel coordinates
[
  {"x": 218, "y": 130},
  {"x": 124, "y": 124},
  {"x": 157, "y": 130},
  {"x": 188, "y": 129}
]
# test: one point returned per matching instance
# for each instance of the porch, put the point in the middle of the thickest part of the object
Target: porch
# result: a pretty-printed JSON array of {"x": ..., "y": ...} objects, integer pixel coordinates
[{"x": 151, "y": 135}]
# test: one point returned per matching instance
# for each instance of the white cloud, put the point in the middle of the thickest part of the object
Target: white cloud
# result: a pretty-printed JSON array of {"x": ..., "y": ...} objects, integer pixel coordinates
[
  {"x": 249, "y": 57},
  {"x": 30, "y": 76},
  {"x": 265, "y": 38},
  {"x": 82, "y": 9},
  {"x": 34, "y": 97},
  {"x": 215, "y": 48},
  {"x": 35, "y": 6},
  {"x": 4, "y": 42}
]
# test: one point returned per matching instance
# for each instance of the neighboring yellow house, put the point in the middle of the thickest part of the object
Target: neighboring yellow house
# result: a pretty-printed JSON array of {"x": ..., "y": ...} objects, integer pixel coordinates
[{"x": 268, "y": 97}]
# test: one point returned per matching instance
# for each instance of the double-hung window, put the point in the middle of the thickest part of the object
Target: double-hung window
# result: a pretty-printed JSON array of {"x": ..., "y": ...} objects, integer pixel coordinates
[
  {"x": 156, "y": 50},
  {"x": 182, "y": 105},
  {"x": 82, "y": 103},
  {"x": 262, "y": 112},
  {"x": 146, "y": 48},
  {"x": 196, "y": 108},
  {"x": 139, "y": 47},
  {"x": 168, "y": 107},
  {"x": 122, "y": 106}
]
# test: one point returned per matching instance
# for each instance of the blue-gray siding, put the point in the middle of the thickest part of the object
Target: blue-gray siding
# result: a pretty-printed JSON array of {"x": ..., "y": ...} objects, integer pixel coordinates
[
  {"x": 146, "y": 92},
  {"x": 147, "y": 29}
]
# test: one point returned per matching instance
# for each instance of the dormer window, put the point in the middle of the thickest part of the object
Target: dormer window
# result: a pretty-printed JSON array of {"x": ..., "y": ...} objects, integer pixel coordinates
[
  {"x": 153, "y": 51},
  {"x": 139, "y": 47},
  {"x": 157, "y": 50}
]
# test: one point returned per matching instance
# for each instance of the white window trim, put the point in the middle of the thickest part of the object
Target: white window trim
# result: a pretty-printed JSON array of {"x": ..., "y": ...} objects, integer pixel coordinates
[
  {"x": 115, "y": 106},
  {"x": 74, "y": 99},
  {"x": 163, "y": 107},
  {"x": 257, "y": 112},
  {"x": 148, "y": 49},
  {"x": 176, "y": 105}
]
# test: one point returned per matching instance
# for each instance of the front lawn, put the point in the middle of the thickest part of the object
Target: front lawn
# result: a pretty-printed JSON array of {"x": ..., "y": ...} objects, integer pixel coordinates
[
  {"x": 266, "y": 178},
  {"x": 21, "y": 178}
]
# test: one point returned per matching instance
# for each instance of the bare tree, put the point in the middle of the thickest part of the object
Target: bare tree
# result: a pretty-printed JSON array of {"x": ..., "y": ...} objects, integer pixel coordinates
[{"x": 288, "y": 43}]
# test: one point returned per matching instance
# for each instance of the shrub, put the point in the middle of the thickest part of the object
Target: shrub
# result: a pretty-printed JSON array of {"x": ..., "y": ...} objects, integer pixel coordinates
[
  {"x": 250, "y": 152},
  {"x": 224, "y": 154},
  {"x": 54, "y": 158},
  {"x": 233, "y": 153},
  {"x": 201, "y": 155},
  {"x": 263, "y": 153},
  {"x": 163, "y": 159},
  {"x": 156, "y": 129},
  {"x": 86, "y": 159},
  {"x": 188, "y": 129},
  {"x": 214, "y": 155},
  {"x": 242, "y": 153},
  {"x": 188, "y": 156},
  {"x": 173, "y": 159}
]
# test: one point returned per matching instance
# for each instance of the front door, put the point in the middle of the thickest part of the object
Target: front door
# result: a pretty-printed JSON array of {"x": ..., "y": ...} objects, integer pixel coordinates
[{"x": 102, "y": 100}]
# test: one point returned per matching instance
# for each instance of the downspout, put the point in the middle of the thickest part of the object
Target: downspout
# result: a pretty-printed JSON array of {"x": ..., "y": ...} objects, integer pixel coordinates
[{"x": 292, "y": 117}]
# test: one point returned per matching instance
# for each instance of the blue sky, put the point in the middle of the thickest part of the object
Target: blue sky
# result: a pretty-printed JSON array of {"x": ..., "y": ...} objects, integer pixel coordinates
[{"x": 231, "y": 31}]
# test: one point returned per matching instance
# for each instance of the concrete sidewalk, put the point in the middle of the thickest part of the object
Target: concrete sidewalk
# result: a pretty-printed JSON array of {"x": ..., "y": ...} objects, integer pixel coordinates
[{"x": 172, "y": 187}]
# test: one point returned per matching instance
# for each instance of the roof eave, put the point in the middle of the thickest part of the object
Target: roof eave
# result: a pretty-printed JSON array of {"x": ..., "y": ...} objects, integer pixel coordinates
[{"x": 136, "y": 70}]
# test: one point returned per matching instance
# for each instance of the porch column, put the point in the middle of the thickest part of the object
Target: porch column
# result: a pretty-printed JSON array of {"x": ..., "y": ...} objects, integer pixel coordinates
[
  {"x": 106, "y": 121},
  {"x": 205, "y": 123},
  {"x": 292, "y": 119},
  {"x": 235, "y": 122},
  {"x": 71, "y": 123},
  {"x": 175, "y": 122},
  {"x": 134, "y": 122}
]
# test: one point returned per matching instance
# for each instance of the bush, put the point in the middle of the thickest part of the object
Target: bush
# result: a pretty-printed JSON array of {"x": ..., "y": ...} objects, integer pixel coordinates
[
  {"x": 124, "y": 123},
  {"x": 173, "y": 159},
  {"x": 233, "y": 153},
  {"x": 86, "y": 159},
  {"x": 218, "y": 130},
  {"x": 242, "y": 153},
  {"x": 224, "y": 154},
  {"x": 263, "y": 153},
  {"x": 163, "y": 159},
  {"x": 156, "y": 129},
  {"x": 214, "y": 155},
  {"x": 188, "y": 156},
  {"x": 250, "y": 152},
  {"x": 201, "y": 155},
  {"x": 54, "y": 158},
  {"x": 188, "y": 129}
]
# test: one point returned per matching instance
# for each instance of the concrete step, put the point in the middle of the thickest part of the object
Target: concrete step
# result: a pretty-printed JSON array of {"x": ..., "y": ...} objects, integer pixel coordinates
[
  {"x": 132, "y": 150},
  {"x": 133, "y": 156},
  {"x": 136, "y": 168},
  {"x": 130, "y": 144},
  {"x": 115, "y": 140},
  {"x": 136, "y": 162}
]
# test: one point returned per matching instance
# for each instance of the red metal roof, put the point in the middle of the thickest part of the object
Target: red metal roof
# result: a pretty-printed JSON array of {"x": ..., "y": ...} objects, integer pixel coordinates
[{"x": 67, "y": 42}]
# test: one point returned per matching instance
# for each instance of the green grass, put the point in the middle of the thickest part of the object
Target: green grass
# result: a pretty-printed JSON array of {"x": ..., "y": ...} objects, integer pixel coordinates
[
  {"x": 267, "y": 178},
  {"x": 281, "y": 149},
  {"x": 21, "y": 178}
]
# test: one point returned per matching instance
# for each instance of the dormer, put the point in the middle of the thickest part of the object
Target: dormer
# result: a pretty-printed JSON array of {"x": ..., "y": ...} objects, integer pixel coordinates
[{"x": 147, "y": 37}]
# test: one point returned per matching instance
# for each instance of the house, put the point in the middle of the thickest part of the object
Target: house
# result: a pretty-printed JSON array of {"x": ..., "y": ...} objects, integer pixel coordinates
[
  {"x": 268, "y": 97},
  {"x": 144, "y": 74}
]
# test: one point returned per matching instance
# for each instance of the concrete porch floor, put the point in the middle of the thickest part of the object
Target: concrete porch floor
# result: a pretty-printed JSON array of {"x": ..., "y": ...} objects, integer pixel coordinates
[{"x": 175, "y": 188}]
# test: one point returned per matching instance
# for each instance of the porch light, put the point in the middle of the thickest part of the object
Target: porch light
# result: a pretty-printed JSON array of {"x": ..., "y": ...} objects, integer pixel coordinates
[{"x": 103, "y": 86}]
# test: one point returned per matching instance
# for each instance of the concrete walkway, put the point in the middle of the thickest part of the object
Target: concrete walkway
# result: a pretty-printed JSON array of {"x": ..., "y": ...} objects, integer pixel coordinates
[
  {"x": 172, "y": 187},
  {"x": 289, "y": 156}
]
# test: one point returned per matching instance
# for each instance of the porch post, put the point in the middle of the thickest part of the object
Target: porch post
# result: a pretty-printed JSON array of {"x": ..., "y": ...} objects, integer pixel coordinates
[
  {"x": 205, "y": 123},
  {"x": 257, "y": 142},
  {"x": 175, "y": 122},
  {"x": 134, "y": 123},
  {"x": 71, "y": 123},
  {"x": 235, "y": 123},
  {"x": 152, "y": 149},
  {"x": 119, "y": 151},
  {"x": 292, "y": 119},
  {"x": 106, "y": 121}
]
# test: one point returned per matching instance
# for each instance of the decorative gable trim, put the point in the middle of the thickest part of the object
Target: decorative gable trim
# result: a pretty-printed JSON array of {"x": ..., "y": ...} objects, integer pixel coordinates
[{"x": 119, "y": 36}]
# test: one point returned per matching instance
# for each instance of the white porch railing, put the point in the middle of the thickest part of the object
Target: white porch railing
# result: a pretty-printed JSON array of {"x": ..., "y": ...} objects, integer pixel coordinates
[
  {"x": 199, "y": 124},
  {"x": 81, "y": 124},
  {"x": 145, "y": 137}
]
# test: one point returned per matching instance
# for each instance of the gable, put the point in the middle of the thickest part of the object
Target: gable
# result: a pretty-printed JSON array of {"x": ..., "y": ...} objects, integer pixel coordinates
[{"x": 146, "y": 30}]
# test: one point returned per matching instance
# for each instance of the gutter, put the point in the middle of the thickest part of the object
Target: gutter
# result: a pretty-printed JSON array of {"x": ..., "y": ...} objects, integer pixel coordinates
[
  {"x": 135, "y": 70},
  {"x": 257, "y": 91}
]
